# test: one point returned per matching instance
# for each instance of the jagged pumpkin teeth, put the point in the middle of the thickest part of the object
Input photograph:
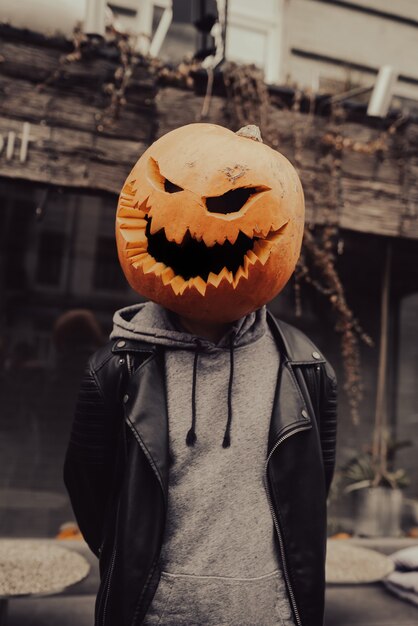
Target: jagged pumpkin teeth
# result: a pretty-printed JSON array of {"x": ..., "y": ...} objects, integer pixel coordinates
[
  {"x": 136, "y": 264},
  {"x": 141, "y": 237},
  {"x": 232, "y": 238},
  {"x": 247, "y": 264},
  {"x": 167, "y": 275},
  {"x": 213, "y": 279},
  {"x": 208, "y": 240},
  {"x": 241, "y": 273},
  {"x": 134, "y": 238},
  {"x": 275, "y": 235},
  {"x": 135, "y": 244},
  {"x": 262, "y": 250},
  {"x": 175, "y": 238},
  {"x": 148, "y": 263},
  {"x": 199, "y": 284},
  {"x": 177, "y": 284},
  {"x": 154, "y": 226},
  {"x": 141, "y": 205},
  {"x": 159, "y": 269},
  {"x": 136, "y": 252},
  {"x": 247, "y": 229},
  {"x": 262, "y": 244},
  {"x": 134, "y": 223},
  {"x": 138, "y": 261},
  {"x": 252, "y": 258},
  {"x": 216, "y": 240},
  {"x": 127, "y": 199},
  {"x": 226, "y": 274},
  {"x": 131, "y": 212},
  {"x": 155, "y": 268}
]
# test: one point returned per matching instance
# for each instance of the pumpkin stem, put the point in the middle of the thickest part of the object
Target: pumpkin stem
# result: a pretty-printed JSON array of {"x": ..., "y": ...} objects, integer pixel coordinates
[{"x": 250, "y": 132}]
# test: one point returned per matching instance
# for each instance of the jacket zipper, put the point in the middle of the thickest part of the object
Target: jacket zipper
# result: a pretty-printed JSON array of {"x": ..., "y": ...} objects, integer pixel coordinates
[
  {"x": 109, "y": 574},
  {"x": 108, "y": 581},
  {"x": 276, "y": 522}
]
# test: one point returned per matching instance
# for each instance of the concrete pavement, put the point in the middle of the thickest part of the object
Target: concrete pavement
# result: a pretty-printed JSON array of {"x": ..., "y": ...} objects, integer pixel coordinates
[{"x": 346, "y": 605}]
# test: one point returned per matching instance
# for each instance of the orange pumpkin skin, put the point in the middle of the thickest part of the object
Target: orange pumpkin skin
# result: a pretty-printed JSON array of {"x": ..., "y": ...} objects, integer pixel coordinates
[{"x": 199, "y": 193}]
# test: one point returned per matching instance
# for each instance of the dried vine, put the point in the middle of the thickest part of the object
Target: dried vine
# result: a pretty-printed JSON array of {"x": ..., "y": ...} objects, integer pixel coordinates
[
  {"x": 86, "y": 47},
  {"x": 321, "y": 257},
  {"x": 116, "y": 89},
  {"x": 248, "y": 102},
  {"x": 80, "y": 45}
]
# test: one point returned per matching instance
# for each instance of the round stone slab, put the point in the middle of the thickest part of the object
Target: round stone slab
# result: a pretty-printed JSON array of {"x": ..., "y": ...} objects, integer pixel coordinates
[
  {"x": 348, "y": 564},
  {"x": 30, "y": 567}
]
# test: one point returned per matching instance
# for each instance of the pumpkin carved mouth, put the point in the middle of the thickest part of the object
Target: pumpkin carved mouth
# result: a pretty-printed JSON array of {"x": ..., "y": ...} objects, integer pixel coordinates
[
  {"x": 191, "y": 263},
  {"x": 192, "y": 258}
]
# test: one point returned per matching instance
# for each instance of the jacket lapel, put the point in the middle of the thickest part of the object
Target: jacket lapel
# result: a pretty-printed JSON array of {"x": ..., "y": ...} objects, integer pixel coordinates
[
  {"x": 146, "y": 414},
  {"x": 292, "y": 406},
  {"x": 289, "y": 408}
]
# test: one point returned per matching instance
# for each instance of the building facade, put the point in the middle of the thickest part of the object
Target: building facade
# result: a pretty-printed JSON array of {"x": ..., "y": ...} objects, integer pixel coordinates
[{"x": 66, "y": 147}]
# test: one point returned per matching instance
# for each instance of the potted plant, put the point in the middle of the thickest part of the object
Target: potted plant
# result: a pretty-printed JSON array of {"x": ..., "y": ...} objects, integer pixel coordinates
[{"x": 377, "y": 490}]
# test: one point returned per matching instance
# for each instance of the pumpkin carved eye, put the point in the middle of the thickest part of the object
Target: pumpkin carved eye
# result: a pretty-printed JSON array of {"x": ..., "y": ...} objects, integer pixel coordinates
[
  {"x": 158, "y": 180},
  {"x": 233, "y": 200},
  {"x": 171, "y": 187}
]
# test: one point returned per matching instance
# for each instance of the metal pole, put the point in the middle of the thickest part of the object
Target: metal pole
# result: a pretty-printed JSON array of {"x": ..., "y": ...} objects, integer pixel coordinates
[{"x": 380, "y": 421}]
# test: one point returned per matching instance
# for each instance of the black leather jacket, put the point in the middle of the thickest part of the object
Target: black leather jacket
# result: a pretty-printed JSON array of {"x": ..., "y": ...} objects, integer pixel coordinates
[{"x": 117, "y": 465}]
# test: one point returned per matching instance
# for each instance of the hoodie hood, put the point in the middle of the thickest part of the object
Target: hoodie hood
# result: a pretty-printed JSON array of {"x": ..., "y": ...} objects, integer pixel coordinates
[
  {"x": 151, "y": 323},
  {"x": 155, "y": 325}
]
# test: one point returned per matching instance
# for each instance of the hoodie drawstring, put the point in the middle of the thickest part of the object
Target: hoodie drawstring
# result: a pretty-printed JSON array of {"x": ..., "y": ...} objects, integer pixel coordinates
[
  {"x": 227, "y": 436},
  {"x": 191, "y": 434}
]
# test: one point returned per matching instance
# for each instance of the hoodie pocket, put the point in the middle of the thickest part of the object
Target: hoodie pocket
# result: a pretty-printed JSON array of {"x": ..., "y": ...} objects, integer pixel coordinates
[{"x": 186, "y": 600}]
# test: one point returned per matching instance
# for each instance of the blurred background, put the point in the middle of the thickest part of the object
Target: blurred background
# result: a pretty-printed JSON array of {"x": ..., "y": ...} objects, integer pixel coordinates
[{"x": 85, "y": 87}]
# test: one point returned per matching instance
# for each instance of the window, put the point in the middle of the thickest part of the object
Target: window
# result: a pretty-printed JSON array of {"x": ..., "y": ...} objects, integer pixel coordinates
[
  {"x": 50, "y": 257},
  {"x": 107, "y": 271}
]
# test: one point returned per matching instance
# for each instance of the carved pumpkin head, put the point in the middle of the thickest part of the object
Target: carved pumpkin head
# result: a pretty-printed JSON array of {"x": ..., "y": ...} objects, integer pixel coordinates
[{"x": 210, "y": 222}]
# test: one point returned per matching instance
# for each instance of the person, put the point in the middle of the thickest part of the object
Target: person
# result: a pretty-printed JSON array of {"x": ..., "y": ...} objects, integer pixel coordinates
[{"x": 203, "y": 444}]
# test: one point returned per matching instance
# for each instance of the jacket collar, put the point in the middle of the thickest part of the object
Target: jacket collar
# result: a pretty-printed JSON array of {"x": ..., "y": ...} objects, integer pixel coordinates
[
  {"x": 123, "y": 346},
  {"x": 292, "y": 408},
  {"x": 294, "y": 346}
]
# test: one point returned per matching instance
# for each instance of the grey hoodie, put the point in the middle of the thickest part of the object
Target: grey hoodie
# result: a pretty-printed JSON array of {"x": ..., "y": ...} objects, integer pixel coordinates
[{"x": 219, "y": 565}]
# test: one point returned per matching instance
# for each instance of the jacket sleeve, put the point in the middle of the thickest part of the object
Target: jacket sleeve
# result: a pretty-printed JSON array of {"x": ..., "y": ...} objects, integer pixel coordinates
[
  {"x": 328, "y": 422},
  {"x": 91, "y": 459}
]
